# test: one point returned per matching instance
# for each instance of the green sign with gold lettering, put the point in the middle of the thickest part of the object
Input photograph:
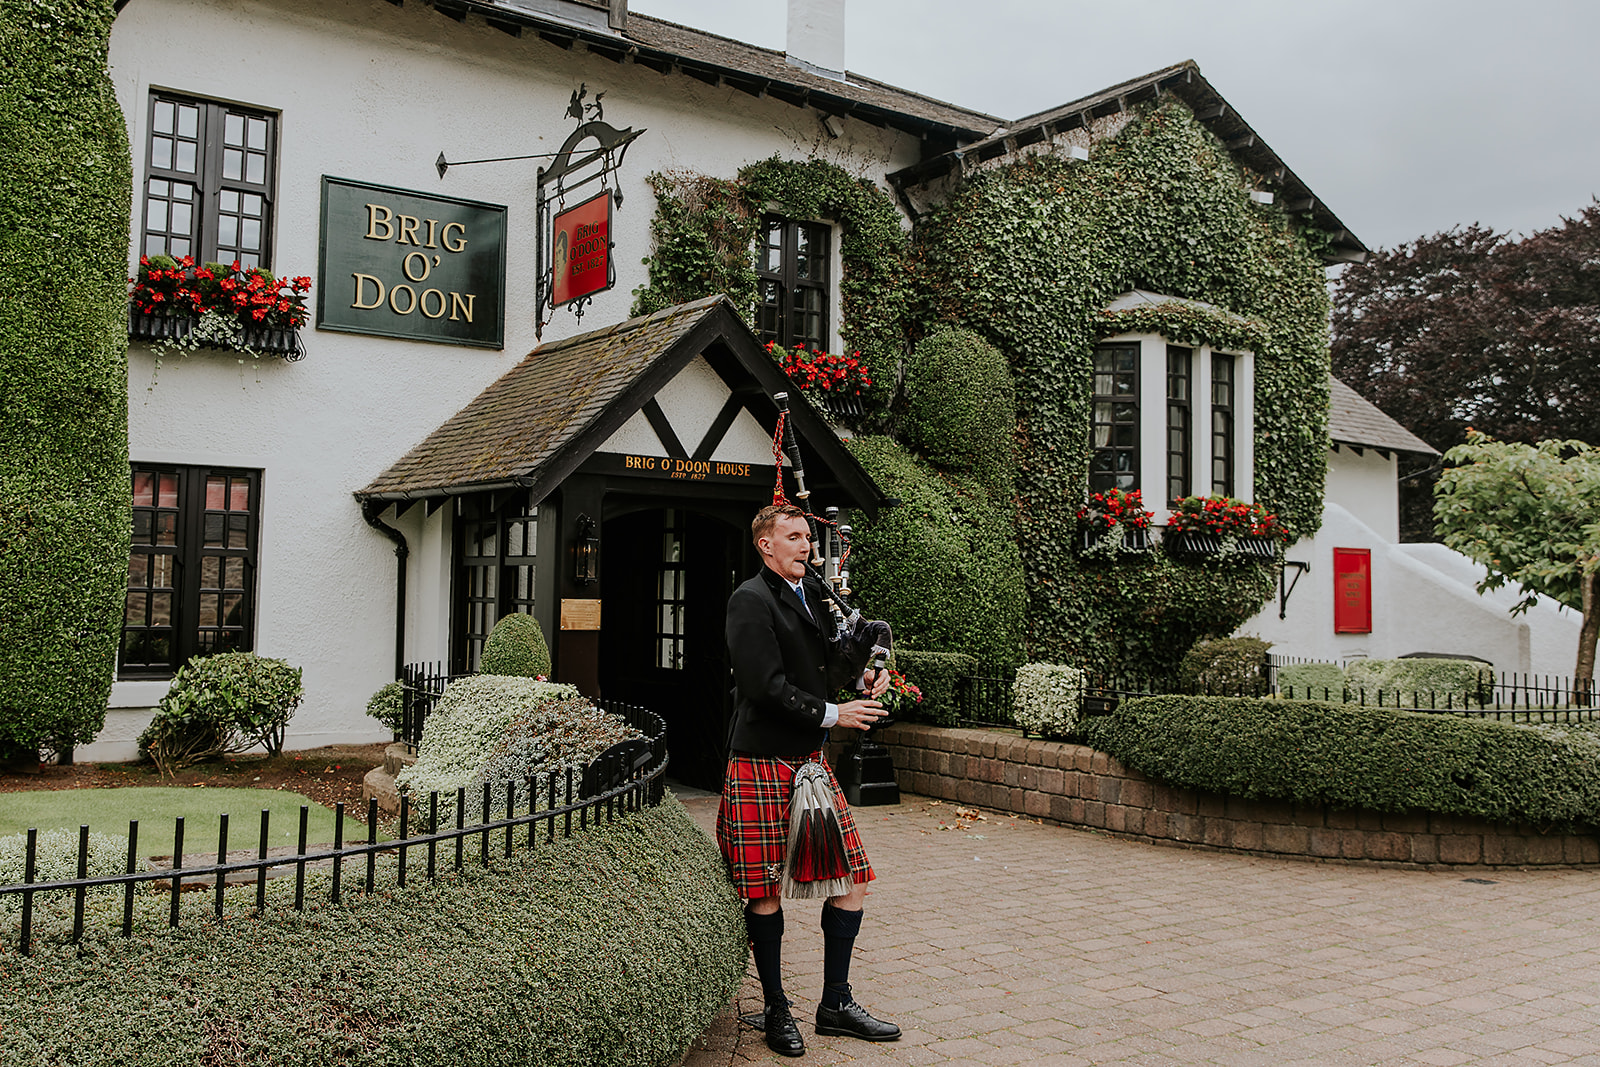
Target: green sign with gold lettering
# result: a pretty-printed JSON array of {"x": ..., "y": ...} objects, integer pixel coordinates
[{"x": 398, "y": 263}]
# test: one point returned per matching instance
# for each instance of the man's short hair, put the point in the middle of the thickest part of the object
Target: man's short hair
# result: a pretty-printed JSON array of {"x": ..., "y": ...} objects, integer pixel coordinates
[{"x": 768, "y": 517}]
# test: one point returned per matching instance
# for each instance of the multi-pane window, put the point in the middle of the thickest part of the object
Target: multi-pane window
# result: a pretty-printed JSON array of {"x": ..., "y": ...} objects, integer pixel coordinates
[
  {"x": 1222, "y": 424},
  {"x": 191, "y": 570},
  {"x": 1179, "y": 420},
  {"x": 210, "y": 171},
  {"x": 670, "y": 594},
  {"x": 495, "y": 573},
  {"x": 1115, "y": 426},
  {"x": 792, "y": 272}
]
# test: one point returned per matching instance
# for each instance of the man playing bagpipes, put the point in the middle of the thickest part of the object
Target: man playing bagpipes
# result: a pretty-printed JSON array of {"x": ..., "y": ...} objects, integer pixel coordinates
[{"x": 784, "y": 824}]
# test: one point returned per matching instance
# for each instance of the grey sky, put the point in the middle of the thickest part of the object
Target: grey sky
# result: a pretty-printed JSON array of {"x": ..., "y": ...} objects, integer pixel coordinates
[{"x": 1405, "y": 116}]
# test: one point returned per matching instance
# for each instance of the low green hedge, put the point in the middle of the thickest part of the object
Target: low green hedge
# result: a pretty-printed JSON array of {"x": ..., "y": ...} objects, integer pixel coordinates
[
  {"x": 937, "y": 674},
  {"x": 1463, "y": 677},
  {"x": 1305, "y": 681},
  {"x": 1349, "y": 756},
  {"x": 616, "y": 946}
]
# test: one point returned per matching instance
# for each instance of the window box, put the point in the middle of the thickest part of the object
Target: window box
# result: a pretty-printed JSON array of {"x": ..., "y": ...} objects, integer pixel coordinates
[
  {"x": 1191, "y": 544},
  {"x": 153, "y": 328},
  {"x": 1197, "y": 544},
  {"x": 1108, "y": 544}
]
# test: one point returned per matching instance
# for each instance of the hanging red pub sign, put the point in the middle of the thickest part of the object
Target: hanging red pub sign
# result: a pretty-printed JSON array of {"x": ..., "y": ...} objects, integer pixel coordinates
[
  {"x": 580, "y": 248},
  {"x": 1352, "y": 591}
]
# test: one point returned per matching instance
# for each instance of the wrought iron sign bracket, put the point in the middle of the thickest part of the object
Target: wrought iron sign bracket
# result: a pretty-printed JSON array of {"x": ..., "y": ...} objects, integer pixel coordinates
[
  {"x": 1286, "y": 585},
  {"x": 567, "y": 174}
]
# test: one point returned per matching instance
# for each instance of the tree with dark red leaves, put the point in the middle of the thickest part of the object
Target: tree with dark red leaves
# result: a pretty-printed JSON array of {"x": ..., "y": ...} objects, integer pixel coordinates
[{"x": 1469, "y": 328}]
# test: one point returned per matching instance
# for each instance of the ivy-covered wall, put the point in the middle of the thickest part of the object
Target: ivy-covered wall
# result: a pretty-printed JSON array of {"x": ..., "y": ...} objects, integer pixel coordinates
[
  {"x": 64, "y": 196},
  {"x": 1029, "y": 255}
]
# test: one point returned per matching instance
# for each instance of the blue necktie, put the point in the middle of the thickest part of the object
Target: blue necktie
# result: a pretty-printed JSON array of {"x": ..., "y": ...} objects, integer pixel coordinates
[{"x": 800, "y": 591}]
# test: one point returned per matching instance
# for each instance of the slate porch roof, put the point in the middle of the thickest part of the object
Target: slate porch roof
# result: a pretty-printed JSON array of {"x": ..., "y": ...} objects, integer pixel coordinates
[
  {"x": 1354, "y": 420},
  {"x": 550, "y": 412}
]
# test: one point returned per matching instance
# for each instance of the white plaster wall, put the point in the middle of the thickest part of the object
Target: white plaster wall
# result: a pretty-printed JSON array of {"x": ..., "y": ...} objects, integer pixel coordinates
[
  {"x": 1365, "y": 485},
  {"x": 373, "y": 92},
  {"x": 1423, "y": 600}
]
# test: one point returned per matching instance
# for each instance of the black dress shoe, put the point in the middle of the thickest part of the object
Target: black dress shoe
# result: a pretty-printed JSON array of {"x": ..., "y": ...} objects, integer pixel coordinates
[
  {"x": 852, "y": 1020},
  {"x": 783, "y": 1036}
]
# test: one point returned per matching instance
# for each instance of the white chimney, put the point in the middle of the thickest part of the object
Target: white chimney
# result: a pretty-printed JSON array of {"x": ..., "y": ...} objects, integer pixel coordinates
[{"x": 816, "y": 36}]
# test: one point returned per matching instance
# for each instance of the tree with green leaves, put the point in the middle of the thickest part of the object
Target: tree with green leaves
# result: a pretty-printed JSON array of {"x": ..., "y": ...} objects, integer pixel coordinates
[{"x": 1531, "y": 515}]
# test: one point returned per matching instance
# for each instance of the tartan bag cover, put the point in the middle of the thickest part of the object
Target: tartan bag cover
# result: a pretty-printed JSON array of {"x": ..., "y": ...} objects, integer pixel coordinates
[{"x": 753, "y": 824}]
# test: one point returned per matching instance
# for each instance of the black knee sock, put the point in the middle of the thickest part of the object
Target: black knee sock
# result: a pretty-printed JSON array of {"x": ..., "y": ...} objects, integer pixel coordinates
[
  {"x": 766, "y": 945},
  {"x": 839, "y": 930}
]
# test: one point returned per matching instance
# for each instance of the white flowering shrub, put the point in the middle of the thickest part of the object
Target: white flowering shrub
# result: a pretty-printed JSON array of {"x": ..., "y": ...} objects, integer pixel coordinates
[
  {"x": 495, "y": 729},
  {"x": 1048, "y": 698},
  {"x": 56, "y": 860}
]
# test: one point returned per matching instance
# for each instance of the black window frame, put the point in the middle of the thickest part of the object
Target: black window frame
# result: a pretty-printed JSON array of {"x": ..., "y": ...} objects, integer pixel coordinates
[
  {"x": 789, "y": 255},
  {"x": 222, "y": 197},
  {"x": 1114, "y": 454},
  {"x": 199, "y": 616},
  {"x": 1180, "y": 421},
  {"x": 1223, "y": 459},
  {"x": 487, "y": 586},
  {"x": 671, "y": 598}
]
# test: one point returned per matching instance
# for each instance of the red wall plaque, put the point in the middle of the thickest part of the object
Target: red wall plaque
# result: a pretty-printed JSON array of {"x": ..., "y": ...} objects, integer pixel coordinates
[
  {"x": 1352, "y": 591},
  {"x": 580, "y": 255}
]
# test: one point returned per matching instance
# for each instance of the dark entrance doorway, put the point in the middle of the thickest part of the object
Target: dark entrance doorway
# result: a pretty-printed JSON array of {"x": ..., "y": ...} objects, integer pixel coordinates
[{"x": 668, "y": 575}]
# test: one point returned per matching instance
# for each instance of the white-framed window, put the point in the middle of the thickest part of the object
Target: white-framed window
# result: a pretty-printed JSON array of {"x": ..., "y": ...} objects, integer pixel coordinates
[{"x": 1171, "y": 420}]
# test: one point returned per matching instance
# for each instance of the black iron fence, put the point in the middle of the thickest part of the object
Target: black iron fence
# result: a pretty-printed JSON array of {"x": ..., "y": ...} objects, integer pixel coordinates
[
  {"x": 986, "y": 700},
  {"x": 422, "y": 684},
  {"x": 622, "y": 779}
]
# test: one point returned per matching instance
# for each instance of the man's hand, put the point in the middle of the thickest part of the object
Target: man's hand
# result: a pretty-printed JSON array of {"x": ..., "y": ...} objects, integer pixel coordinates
[
  {"x": 860, "y": 714},
  {"x": 875, "y": 683}
]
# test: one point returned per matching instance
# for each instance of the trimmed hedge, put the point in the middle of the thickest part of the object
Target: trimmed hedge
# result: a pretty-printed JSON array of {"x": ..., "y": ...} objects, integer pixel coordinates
[
  {"x": 516, "y": 647},
  {"x": 1227, "y": 665},
  {"x": 616, "y": 946},
  {"x": 943, "y": 567},
  {"x": 961, "y": 407},
  {"x": 937, "y": 674},
  {"x": 64, "y": 488},
  {"x": 388, "y": 705},
  {"x": 1349, "y": 756},
  {"x": 1406, "y": 676},
  {"x": 1307, "y": 679}
]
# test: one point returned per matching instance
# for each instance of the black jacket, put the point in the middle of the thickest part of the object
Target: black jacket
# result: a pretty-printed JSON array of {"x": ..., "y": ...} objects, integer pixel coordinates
[{"x": 784, "y": 668}]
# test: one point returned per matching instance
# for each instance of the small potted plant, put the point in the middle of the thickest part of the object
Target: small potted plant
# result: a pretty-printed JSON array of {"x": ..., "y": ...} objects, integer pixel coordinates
[
  {"x": 1222, "y": 527},
  {"x": 1112, "y": 523}
]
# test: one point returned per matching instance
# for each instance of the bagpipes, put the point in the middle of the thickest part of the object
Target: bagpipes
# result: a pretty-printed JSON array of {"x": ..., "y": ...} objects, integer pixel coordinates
[
  {"x": 858, "y": 641},
  {"x": 816, "y": 861}
]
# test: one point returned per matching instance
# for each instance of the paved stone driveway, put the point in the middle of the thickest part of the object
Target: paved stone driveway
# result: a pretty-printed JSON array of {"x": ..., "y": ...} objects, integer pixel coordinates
[{"x": 995, "y": 940}]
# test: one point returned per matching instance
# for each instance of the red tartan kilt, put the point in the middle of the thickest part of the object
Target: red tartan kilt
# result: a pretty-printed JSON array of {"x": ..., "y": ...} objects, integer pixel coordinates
[{"x": 753, "y": 824}]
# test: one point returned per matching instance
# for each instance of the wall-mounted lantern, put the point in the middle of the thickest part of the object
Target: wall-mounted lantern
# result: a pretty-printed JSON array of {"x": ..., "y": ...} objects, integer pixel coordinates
[{"x": 586, "y": 552}]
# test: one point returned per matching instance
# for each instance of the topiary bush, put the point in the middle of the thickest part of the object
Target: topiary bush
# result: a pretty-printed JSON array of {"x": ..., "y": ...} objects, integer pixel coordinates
[
  {"x": 1048, "y": 698},
  {"x": 229, "y": 702},
  {"x": 961, "y": 407},
  {"x": 56, "y": 860},
  {"x": 1353, "y": 756},
  {"x": 1405, "y": 678},
  {"x": 516, "y": 648},
  {"x": 616, "y": 946},
  {"x": 1311, "y": 681},
  {"x": 496, "y": 729},
  {"x": 938, "y": 675},
  {"x": 388, "y": 705},
  {"x": 64, "y": 485},
  {"x": 943, "y": 566},
  {"x": 1229, "y": 666}
]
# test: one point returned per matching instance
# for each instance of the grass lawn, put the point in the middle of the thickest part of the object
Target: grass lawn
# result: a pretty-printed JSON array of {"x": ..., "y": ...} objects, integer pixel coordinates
[{"x": 156, "y": 807}]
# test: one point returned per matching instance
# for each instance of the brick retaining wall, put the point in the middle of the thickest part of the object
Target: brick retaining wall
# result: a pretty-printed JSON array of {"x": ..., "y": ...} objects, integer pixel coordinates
[{"x": 1079, "y": 786}]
